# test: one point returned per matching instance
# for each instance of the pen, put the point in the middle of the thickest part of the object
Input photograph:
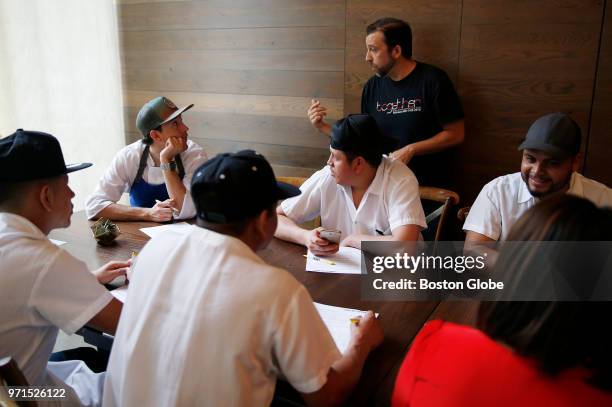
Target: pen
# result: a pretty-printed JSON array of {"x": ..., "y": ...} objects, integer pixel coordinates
[
  {"x": 379, "y": 232},
  {"x": 174, "y": 210},
  {"x": 323, "y": 260}
]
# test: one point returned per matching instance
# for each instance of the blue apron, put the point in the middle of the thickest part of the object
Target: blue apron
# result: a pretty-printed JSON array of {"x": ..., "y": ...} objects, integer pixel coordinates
[{"x": 143, "y": 194}]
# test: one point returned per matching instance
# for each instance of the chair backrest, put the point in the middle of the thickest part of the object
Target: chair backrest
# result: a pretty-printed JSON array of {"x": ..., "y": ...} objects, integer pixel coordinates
[
  {"x": 295, "y": 181},
  {"x": 11, "y": 375},
  {"x": 435, "y": 214},
  {"x": 463, "y": 213}
]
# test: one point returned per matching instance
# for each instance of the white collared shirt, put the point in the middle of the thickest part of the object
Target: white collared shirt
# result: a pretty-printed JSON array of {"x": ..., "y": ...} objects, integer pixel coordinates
[
  {"x": 505, "y": 199},
  {"x": 206, "y": 322},
  {"x": 42, "y": 288},
  {"x": 120, "y": 174},
  {"x": 392, "y": 200}
]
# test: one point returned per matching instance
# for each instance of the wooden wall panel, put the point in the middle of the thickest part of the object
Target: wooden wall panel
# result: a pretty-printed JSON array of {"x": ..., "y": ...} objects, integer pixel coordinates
[
  {"x": 250, "y": 67},
  {"x": 518, "y": 62},
  {"x": 599, "y": 148}
]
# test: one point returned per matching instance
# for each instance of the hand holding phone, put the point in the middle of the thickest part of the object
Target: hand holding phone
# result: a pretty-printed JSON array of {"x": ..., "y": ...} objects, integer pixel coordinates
[{"x": 331, "y": 235}]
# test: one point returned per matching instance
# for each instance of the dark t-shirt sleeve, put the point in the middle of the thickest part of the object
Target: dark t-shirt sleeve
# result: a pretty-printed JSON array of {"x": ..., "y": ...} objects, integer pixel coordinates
[{"x": 446, "y": 103}]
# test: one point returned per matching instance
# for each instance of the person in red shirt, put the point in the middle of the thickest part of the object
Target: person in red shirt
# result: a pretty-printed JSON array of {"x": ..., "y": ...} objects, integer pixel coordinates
[{"x": 542, "y": 353}]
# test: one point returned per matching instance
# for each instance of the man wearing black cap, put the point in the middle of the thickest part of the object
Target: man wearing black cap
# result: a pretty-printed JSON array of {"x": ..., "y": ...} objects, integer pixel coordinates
[
  {"x": 360, "y": 193},
  {"x": 550, "y": 160},
  {"x": 43, "y": 287},
  {"x": 232, "y": 323},
  {"x": 413, "y": 103},
  {"x": 156, "y": 171}
]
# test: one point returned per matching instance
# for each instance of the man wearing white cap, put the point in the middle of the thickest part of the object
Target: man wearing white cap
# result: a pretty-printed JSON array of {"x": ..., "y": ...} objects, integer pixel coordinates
[{"x": 156, "y": 171}]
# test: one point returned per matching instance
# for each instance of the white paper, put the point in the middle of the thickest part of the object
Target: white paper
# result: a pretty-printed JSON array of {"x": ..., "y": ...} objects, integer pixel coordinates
[
  {"x": 181, "y": 227},
  {"x": 57, "y": 242},
  {"x": 338, "y": 322},
  {"x": 346, "y": 261},
  {"x": 120, "y": 293}
]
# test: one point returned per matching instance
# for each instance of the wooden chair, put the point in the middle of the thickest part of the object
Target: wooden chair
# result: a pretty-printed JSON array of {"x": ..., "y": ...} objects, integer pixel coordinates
[
  {"x": 11, "y": 375},
  {"x": 448, "y": 199},
  {"x": 463, "y": 213}
]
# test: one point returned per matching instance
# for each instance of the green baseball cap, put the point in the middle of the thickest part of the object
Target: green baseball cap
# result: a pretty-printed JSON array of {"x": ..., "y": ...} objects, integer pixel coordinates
[{"x": 156, "y": 112}]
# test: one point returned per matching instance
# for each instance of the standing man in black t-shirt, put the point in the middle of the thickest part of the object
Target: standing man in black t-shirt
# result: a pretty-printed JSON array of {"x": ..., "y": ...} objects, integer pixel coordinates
[{"x": 413, "y": 103}]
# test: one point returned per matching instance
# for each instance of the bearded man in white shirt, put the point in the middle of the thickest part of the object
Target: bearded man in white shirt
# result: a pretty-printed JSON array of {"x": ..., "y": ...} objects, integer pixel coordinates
[
  {"x": 361, "y": 193},
  {"x": 43, "y": 287},
  {"x": 550, "y": 160},
  {"x": 207, "y": 322}
]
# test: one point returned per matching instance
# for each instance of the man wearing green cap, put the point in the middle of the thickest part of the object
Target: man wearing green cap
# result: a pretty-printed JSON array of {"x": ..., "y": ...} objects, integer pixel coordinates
[
  {"x": 551, "y": 157},
  {"x": 156, "y": 171}
]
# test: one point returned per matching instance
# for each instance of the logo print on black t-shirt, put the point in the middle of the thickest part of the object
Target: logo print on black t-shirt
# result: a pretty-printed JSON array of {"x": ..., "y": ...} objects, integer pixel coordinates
[{"x": 400, "y": 106}]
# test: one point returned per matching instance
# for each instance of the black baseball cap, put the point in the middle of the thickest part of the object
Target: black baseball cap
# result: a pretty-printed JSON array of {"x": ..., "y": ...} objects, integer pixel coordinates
[
  {"x": 156, "y": 112},
  {"x": 556, "y": 134},
  {"x": 359, "y": 134},
  {"x": 31, "y": 155},
  {"x": 236, "y": 186}
]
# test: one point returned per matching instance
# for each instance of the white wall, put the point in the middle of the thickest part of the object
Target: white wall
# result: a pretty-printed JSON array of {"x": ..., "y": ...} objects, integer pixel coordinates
[{"x": 60, "y": 73}]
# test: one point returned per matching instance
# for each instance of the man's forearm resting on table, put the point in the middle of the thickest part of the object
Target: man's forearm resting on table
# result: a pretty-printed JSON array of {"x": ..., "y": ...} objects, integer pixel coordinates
[
  {"x": 288, "y": 230},
  {"x": 176, "y": 188},
  {"x": 120, "y": 212}
]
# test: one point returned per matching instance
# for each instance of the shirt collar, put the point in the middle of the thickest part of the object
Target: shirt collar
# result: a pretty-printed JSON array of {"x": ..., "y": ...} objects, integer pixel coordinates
[
  {"x": 21, "y": 224},
  {"x": 575, "y": 188}
]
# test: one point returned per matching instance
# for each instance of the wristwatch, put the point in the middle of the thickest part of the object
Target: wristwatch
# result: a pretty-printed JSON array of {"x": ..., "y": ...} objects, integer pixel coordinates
[{"x": 168, "y": 166}]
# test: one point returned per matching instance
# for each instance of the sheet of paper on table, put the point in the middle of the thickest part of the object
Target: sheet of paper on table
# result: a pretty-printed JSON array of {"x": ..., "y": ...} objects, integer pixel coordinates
[
  {"x": 120, "y": 293},
  {"x": 346, "y": 261},
  {"x": 181, "y": 227},
  {"x": 338, "y": 321}
]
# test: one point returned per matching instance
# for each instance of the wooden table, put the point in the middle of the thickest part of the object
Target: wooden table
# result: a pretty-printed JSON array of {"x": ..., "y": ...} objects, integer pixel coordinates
[{"x": 401, "y": 321}]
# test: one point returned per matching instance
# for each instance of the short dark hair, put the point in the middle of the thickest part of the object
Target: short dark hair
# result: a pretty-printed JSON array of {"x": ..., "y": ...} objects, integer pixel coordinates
[
  {"x": 146, "y": 139},
  {"x": 235, "y": 228},
  {"x": 374, "y": 161},
  {"x": 557, "y": 335},
  {"x": 396, "y": 32}
]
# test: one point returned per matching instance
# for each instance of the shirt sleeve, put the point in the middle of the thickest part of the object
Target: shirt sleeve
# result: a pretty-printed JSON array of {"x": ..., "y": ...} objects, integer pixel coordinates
[
  {"x": 116, "y": 180},
  {"x": 303, "y": 346},
  {"x": 447, "y": 104},
  {"x": 484, "y": 216},
  {"x": 67, "y": 294},
  {"x": 307, "y": 205},
  {"x": 404, "y": 203},
  {"x": 193, "y": 158}
]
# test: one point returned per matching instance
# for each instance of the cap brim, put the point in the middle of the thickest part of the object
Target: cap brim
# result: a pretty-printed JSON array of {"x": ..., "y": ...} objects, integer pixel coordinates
[
  {"x": 287, "y": 190},
  {"x": 176, "y": 114},
  {"x": 77, "y": 167},
  {"x": 555, "y": 152}
]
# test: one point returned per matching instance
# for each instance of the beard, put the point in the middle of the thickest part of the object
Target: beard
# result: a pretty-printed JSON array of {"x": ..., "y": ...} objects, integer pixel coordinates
[
  {"x": 383, "y": 70},
  {"x": 554, "y": 186}
]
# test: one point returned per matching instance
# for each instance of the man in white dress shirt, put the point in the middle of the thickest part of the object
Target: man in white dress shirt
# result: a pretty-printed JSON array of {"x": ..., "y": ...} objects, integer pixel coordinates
[
  {"x": 43, "y": 287},
  {"x": 207, "y": 322},
  {"x": 550, "y": 160},
  {"x": 156, "y": 171},
  {"x": 360, "y": 193}
]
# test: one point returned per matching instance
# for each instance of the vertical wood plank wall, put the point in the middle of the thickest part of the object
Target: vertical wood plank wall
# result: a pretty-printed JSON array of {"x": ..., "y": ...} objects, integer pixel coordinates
[{"x": 252, "y": 66}]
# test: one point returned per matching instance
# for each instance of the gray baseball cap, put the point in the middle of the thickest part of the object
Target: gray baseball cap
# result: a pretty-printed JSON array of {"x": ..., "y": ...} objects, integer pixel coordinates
[
  {"x": 556, "y": 134},
  {"x": 156, "y": 112}
]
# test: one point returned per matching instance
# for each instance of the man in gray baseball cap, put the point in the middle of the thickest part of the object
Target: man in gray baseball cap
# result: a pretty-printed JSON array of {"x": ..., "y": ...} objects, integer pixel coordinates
[
  {"x": 156, "y": 170},
  {"x": 550, "y": 161}
]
